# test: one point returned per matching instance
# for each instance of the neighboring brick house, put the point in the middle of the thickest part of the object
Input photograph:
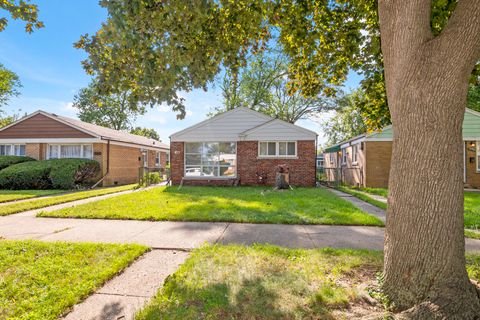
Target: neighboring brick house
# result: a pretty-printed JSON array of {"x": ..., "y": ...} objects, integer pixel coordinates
[
  {"x": 242, "y": 146},
  {"x": 365, "y": 159},
  {"x": 42, "y": 135}
]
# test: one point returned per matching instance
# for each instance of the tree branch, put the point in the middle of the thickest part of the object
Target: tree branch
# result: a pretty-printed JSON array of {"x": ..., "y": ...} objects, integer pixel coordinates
[{"x": 461, "y": 36}]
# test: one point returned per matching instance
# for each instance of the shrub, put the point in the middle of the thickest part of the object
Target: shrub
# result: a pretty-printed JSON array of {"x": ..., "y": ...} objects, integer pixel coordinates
[
  {"x": 150, "y": 178},
  {"x": 49, "y": 174},
  {"x": 6, "y": 161}
]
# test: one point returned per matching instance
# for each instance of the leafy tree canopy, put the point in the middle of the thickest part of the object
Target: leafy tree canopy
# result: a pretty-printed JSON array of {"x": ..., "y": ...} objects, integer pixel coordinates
[
  {"x": 156, "y": 49},
  {"x": 9, "y": 85},
  {"x": 347, "y": 121},
  {"x": 111, "y": 111},
  {"x": 146, "y": 132},
  {"x": 473, "y": 101},
  {"x": 262, "y": 85},
  {"x": 21, "y": 10}
]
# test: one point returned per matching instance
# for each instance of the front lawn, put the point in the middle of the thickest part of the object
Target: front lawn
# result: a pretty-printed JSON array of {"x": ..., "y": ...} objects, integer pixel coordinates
[
  {"x": 10, "y": 208},
  {"x": 267, "y": 282},
  {"x": 40, "y": 280},
  {"x": 13, "y": 195},
  {"x": 472, "y": 210},
  {"x": 239, "y": 204}
]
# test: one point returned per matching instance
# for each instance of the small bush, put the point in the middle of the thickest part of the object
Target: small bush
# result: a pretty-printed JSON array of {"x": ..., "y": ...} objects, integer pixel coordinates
[
  {"x": 49, "y": 174},
  {"x": 6, "y": 161},
  {"x": 150, "y": 178}
]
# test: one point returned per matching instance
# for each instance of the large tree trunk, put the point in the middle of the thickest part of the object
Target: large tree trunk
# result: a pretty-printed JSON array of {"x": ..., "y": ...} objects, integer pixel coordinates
[{"x": 427, "y": 83}]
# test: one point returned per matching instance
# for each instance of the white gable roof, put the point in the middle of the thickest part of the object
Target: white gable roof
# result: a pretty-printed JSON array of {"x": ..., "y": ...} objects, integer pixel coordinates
[
  {"x": 278, "y": 130},
  {"x": 232, "y": 125}
]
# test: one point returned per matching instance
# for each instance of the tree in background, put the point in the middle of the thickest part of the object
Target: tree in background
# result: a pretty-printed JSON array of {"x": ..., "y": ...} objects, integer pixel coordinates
[
  {"x": 21, "y": 10},
  {"x": 146, "y": 132},
  {"x": 473, "y": 100},
  {"x": 425, "y": 50},
  {"x": 263, "y": 85},
  {"x": 112, "y": 111},
  {"x": 9, "y": 85},
  {"x": 347, "y": 121}
]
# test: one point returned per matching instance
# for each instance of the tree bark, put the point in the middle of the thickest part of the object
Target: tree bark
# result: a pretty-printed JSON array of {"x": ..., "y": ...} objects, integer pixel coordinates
[{"x": 427, "y": 82}]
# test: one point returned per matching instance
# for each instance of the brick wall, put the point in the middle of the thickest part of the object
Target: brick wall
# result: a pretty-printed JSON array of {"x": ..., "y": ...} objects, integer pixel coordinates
[
  {"x": 176, "y": 161},
  {"x": 33, "y": 150},
  {"x": 377, "y": 163},
  {"x": 473, "y": 177},
  {"x": 302, "y": 168},
  {"x": 124, "y": 165}
]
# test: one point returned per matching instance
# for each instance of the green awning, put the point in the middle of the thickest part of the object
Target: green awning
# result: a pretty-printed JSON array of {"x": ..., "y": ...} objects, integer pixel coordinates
[{"x": 332, "y": 149}]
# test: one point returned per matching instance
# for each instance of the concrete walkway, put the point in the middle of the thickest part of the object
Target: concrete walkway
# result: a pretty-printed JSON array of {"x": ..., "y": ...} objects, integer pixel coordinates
[
  {"x": 126, "y": 294},
  {"x": 365, "y": 206}
]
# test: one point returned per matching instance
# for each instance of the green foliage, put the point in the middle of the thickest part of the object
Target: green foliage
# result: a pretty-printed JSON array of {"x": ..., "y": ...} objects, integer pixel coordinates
[
  {"x": 21, "y": 10},
  {"x": 243, "y": 204},
  {"x": 111, "y": 111},
  {"x": 347, "y": 121},
  {"x": 150, "y": 178},
  {"x": 146, "y": 132},
  {"x": 6, "y": 161},
  {"x": 10, "y": 208},
  {"x": 183, "y": 46},
  {"x": 49, "y": 174},
  {"x": 9, "y": 85},
  {"x": 473, "y": 101},
  {"x": 262, "y": 85},
  {"x": 42, "y": 280}
]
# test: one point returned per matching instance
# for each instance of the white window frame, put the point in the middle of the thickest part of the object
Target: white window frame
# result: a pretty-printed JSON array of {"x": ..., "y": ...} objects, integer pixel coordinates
[
  {"x": 216, "y": 167},
  {"x": 355, "y": 154},
  {"x": 344, "y": 155},
  {"x": 277, "y": 149},
  {"x": 477, "y": 154},
  {"x": 12, "y": 148},
  {"x": 157, "y": 159},
  {"x": 58, "y": 145}
]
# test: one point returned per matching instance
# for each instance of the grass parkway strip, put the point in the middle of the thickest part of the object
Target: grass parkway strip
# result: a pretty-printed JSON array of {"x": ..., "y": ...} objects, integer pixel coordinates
[
  {"x": 217, "y": 204},
  {"x": 14, "y": 195},
  {"x": 10, "y": 208},
  {"x": 42, "y": 280},
  {"x": 268, "y": 282}
]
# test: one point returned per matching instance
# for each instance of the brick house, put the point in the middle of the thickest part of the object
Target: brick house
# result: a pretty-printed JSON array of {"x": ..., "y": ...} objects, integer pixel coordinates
[
  {"x": 42, "y": 135},
  {"x": 242, "y": 146},
  {"x": 365, "y": 160}
]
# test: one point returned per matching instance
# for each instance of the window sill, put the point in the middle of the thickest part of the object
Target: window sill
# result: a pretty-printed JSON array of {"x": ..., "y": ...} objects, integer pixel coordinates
[
  {"x": 209, "y": 178},
  {"x": 277, "y": 157}
]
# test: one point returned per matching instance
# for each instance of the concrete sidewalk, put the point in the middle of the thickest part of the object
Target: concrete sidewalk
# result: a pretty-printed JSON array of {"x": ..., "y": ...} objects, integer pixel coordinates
[{"x": 189, "y": 235}]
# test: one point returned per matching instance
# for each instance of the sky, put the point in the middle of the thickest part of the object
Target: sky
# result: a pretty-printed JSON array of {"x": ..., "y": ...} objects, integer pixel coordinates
[{"x": 51, "y": 73}]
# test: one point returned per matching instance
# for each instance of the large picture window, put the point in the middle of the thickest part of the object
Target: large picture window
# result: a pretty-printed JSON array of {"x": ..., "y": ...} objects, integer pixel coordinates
[
  {"x": 210, "y": 159},
  {"x": 12, "y": 149},
  {"x": 277, "y": 149},
  {"x": 56, "y": 151}
]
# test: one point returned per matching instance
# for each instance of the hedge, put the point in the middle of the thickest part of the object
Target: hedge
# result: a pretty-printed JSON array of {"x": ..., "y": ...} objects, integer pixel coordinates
[
  {"x": 49, "y": 174},
  {"x": 6, "y": 161}
]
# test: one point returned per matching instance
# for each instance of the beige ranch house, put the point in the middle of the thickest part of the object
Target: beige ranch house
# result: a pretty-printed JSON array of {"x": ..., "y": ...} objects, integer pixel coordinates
[
  {"x": 365, "y": 159},
  {"x": 242, "y": 146},
  {"x": 42, "y": 135}
]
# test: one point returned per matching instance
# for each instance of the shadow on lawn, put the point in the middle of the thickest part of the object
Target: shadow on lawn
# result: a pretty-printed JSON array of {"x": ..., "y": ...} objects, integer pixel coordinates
[{"x": 218, "y": 301}]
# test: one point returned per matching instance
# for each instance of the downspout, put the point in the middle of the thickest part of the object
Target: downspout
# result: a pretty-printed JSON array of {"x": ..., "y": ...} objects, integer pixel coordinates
[
  {"x": 316, "y": 155},
  {"x": 108, "y": 166}
]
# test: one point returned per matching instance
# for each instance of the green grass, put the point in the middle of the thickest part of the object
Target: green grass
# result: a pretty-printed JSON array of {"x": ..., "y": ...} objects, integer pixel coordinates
[
  {"x": 13, "y": 195},
  {"x": 267, "y": 282},
  {"x": 472, "y": 234},
  {"x": 240, "y": 204},
  {"x": 6, "y": 209},
  {"x": 363, "y": 196},
  {"x": 471, "y": 203},
  {"x": 40, "y": 280}
]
